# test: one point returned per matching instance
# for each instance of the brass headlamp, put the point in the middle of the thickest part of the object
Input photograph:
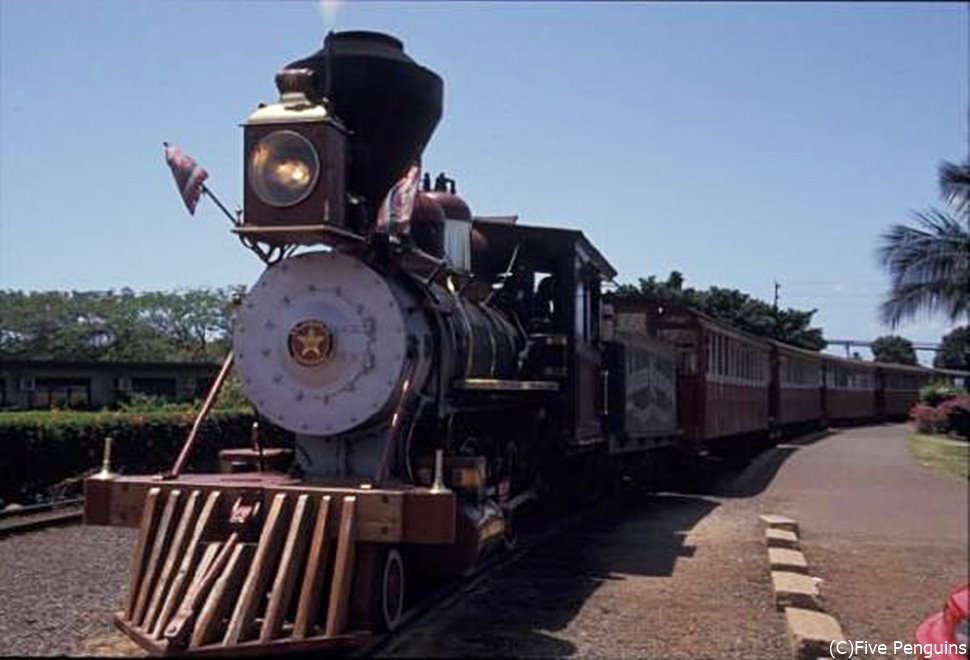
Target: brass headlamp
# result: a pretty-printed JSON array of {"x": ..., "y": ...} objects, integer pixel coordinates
[
  {"x": 295, "y": 165},
  {"x": 283, "y": 168}
]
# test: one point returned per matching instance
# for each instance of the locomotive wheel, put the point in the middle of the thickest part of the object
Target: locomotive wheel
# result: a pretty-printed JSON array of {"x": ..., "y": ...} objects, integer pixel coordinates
[{"x": 390, "y": 596}]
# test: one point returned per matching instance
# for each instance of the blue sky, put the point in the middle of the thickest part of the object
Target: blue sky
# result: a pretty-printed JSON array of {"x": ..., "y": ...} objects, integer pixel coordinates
[{"x": 737, "y": 143}]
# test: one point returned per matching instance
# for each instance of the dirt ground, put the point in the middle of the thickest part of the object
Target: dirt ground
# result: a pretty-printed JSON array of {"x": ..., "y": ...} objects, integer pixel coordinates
[
  {"x": 59, "y": 587},
  {"x": 668, "y": 575},
  {"x": 888, "y": 537}
]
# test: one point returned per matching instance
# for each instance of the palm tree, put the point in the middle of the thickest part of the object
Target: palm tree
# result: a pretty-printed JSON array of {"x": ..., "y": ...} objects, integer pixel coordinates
[
  {"x": 929, "y": 264},
  {"x": 955, "y": 186}
]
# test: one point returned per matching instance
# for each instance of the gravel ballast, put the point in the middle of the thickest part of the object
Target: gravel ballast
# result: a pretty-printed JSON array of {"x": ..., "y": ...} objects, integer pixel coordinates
[
  {"x": 669, "y": 576},
  {"x": 60, "y": 586}
]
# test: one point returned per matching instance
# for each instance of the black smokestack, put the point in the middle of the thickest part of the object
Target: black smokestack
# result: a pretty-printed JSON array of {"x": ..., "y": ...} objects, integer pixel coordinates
[{"x": 390, "y": 104}]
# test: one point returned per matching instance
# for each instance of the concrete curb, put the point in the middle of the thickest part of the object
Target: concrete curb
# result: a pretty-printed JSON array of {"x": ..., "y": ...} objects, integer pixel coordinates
[
  {"x": 811, "y": 631},
  {"x": 783, "y": 559},
  {"x": 779, "y": 522},
  {"x": 781, "y": 538},
  {"x": 795, "y": 590}
]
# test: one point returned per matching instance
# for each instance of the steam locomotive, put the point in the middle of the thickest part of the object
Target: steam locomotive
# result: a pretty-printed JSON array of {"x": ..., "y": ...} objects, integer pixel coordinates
[{"x": 436, "y": 375}]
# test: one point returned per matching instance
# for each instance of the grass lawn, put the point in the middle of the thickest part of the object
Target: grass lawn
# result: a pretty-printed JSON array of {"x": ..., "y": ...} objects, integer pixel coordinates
[{"x": 939, "y": 452}]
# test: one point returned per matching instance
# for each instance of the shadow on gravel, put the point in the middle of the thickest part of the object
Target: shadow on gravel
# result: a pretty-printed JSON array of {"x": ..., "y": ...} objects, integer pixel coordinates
[
  {"x": 525, "y": 607},
  {"x": 517, "y": 612},
  {"x": 750, "y": 478}
]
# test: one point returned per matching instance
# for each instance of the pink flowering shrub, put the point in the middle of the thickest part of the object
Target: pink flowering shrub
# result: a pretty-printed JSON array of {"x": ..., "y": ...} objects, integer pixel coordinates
[
  {"x": 927, "y": 419},
  {"x": 957, "y": 414},
  {"x": 951, "y": 415}
]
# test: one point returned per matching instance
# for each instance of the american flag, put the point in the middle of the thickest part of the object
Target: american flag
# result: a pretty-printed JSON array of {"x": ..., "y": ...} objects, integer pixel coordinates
[
  {"x": 395, "y": 213},
  {"x": 188, "y": 175}
]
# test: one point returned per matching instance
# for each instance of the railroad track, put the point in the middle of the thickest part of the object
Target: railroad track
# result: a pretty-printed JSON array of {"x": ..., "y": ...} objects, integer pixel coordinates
[
  {"x": 40, "y": 516},
  {"x": 720, "y": 479},
  {"x": 447, "y": 595}
]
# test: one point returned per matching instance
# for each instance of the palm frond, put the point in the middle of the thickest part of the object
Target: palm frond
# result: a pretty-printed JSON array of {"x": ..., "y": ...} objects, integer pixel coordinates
[
  {"x": 929, "y": 268},
  {"x": 955, "y": 185},
  {"x": 926, "y": 298}
]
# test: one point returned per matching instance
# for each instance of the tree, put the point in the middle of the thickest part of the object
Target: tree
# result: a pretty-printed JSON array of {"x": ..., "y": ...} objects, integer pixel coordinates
[
  {"x": 929, "y": 264},
  {"x": 898, "y": 350},
  {"x": 955, "y": 186},
  {"x": 954, "y": 350},
  {"x": 191, "y": 325},
  {"x": 191, "y": 320},
  {"x": 734, "y": 307}
]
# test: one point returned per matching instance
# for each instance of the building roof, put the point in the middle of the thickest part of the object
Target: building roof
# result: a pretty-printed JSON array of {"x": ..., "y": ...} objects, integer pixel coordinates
[
  {"x": 953, "y": 372},
  {"x": 912, "y": 368},
  {"x": 849, "y": 362},
  {"x": 676, "y": 307},
  {"x": 797, "y": 350},
  {"x": 103, "y": 364}
]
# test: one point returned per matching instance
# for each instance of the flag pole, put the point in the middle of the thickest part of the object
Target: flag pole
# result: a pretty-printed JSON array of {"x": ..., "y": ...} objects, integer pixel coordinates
[
  {"x": 204, "y": 189},
  {"x": 232, "y": 218},
  {"x": 182, "y": 164}
]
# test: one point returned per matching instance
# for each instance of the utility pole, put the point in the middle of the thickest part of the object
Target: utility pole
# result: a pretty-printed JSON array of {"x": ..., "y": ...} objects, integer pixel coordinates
[{"x": 776, "y": 330}]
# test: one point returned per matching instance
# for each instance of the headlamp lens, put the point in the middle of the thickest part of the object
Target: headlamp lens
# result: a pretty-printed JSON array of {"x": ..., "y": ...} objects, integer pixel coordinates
[{"x": 283, "y": 168}]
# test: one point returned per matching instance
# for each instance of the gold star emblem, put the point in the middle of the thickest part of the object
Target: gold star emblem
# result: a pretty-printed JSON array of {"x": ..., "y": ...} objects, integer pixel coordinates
[{"x": 310, "y": 342}]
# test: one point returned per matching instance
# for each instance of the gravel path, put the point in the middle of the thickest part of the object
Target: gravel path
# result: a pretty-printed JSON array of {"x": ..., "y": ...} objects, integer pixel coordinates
[
  {"x": 59, "y": 586},
  {"x": 667, "y": 576},
  {"x": 671, "y": 576},
  {"x": 887, "y": 536}
]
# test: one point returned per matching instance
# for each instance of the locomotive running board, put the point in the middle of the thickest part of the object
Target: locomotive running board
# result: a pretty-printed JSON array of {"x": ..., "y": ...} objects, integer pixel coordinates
[{"x": 191, "y": 595}]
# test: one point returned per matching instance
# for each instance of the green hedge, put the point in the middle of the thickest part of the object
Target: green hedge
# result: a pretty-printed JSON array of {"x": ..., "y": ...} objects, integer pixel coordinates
[{"x": 41, "y": 449}]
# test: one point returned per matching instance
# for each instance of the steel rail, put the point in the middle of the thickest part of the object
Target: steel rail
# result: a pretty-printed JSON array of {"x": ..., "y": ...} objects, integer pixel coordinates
[
  {"x": 31, "y": 509},
  {"x": 452, "y": 592},
  {"x": 18, "y": 525}
]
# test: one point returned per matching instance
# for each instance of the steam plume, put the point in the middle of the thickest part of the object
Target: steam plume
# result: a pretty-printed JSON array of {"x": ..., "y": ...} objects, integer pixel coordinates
[{"x": 328, "y": 13}]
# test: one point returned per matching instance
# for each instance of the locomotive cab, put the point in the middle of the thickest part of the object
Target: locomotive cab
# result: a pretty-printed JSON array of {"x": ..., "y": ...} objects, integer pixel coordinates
[{"x": 555, "y": 287}]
